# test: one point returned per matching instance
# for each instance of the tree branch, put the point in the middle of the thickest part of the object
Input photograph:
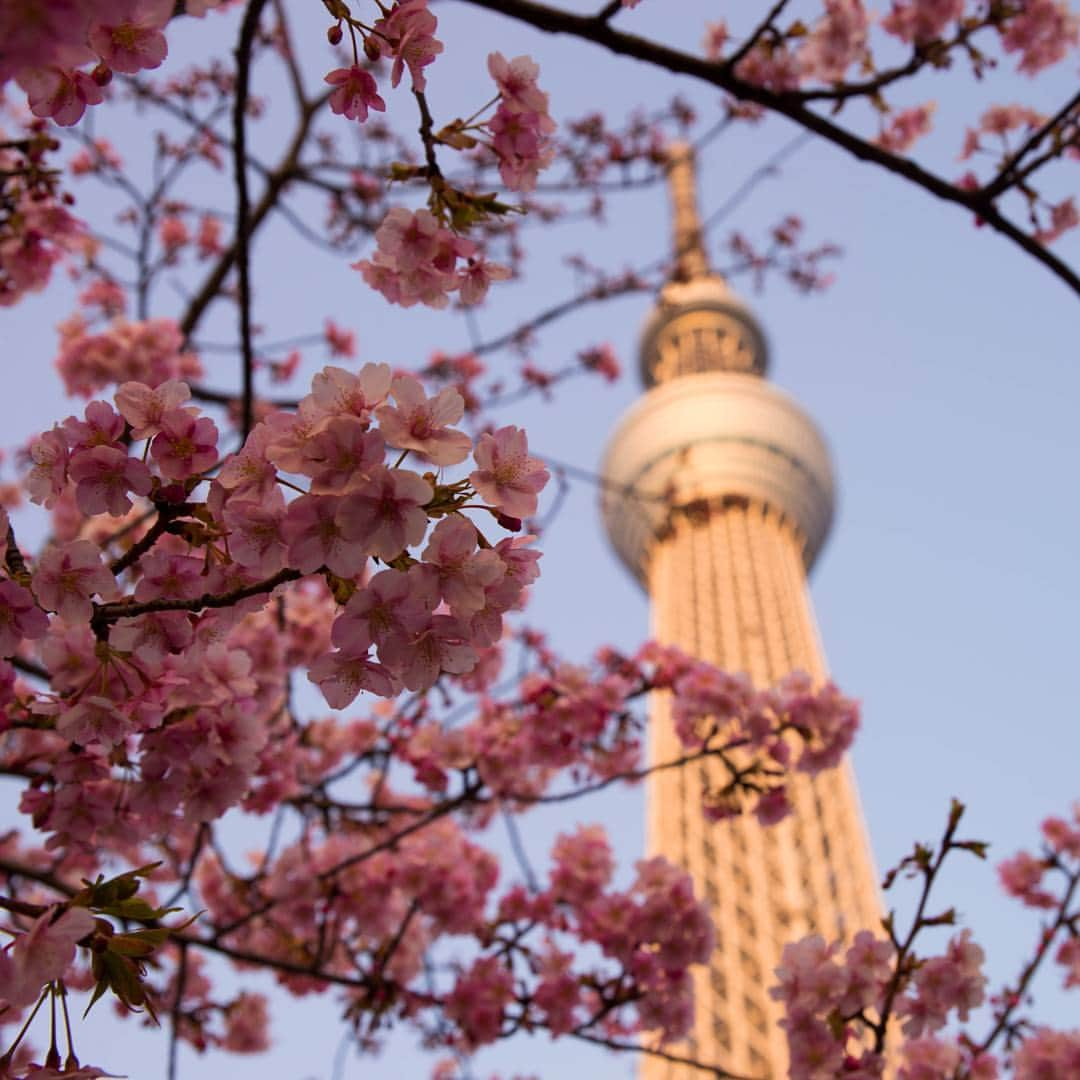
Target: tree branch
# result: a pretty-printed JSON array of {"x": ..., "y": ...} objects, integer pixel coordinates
[
  {"x": 242, "y": 243},
  {"x": 556, "y": 21}
]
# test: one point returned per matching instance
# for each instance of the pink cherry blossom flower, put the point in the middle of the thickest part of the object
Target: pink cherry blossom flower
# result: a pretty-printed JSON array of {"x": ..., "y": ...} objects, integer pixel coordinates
[
  {"x": 48, "y": 467},
  {"x": 384, "y": 514},
  {"x": 1042, "y": 31},
  {"x": 208, "y": 238},
  {"x": 921, "y": 21},
  {"x": 164, "y": 574},
  {"x": 583, "y": 864},
  {"x": 443, "y": 646},
  {"x": 20, "y": 617},
  {"x": 417, "y": 422},
  {"x": 315, "y": 539},
  {"x": 507, "y": 477},
  {"x": 247, "y": 1022},
  {"x": 929, "y": 1059},
  {"x": 337, "y": 392},
  {"x": 341, "y": 676},
  {"x": 1061, "y": 836},
  {"x": 906, "y": 127},
  {"x": 185, "y": 445},
  {"x": 1063, "y": 216},
  {"x": 42, "y": 954},
  {"x": 415, "y": 260},
  {"x": 476, "y": 278},
  {"x": 255, "y": 533},
  {"x": 249, "y": 474},
  {"x": 810, "y": 980},
  {"x": 101, "y": 427},
  {"x": 143, "y": 408},
  {"x": 1046, "y": 1055},
  {"x": 522, "y": 141},
  {"x": 355, "y": 91},
  {"x": 153, "y": 635},
  {"x": 103, "y": 477},
  {"x": 148, "y": 352},
  {"x": 1021, "y": 877},
  {"x": 131, "y": 40},
  {"x": 93, "y": 721},
  {"x": 409, "y": 30},
  {"x": 836, "y": 42},
  {"x": 409, "y": 239},
  {"x": 1068, "y": 955},
  {"x": 342, "y": 342},
  {"x": 717, "y": 35},
  {"x": 478, "y": 999},
  {"x": 174, "y": 236},
  {"x": 602, "y": 360},
  {"x": 341, "y": 455},
  {"x": 463, "y": 574},
  {"x": 62, "y": 95},
  {"x": 389, "y": 608},
  {"x": 67, "y": 576},
  {"x": 774, "y": 68},
  {"x": 516, "y": 80}
]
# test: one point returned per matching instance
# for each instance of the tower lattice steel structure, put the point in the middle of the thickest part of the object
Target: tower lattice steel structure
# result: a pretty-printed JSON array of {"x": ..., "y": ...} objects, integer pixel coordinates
[{"x": 719, "y": 497}]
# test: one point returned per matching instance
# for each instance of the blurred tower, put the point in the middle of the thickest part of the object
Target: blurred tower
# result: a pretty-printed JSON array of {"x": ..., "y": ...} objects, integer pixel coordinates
[{"x": 719, "y": 497}]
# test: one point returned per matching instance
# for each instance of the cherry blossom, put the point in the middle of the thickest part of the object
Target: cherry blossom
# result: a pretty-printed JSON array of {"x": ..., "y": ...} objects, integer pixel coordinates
[
  {"x": 42, "y": 954},
  {"x": 507, "y": 477},
  {"x": 184, "y": 445},
  {"x": 355, "y": 92},
  {"x": 20, "y": 617},
  {"x": 61, "y": 95},
  {"x": 67, "y": 576},
  {"x": 131, "y": 38},
  {"x": 409, "y": 32},
  {"x": 384, "y": 513},
  {"x": 416, "y": 422}
]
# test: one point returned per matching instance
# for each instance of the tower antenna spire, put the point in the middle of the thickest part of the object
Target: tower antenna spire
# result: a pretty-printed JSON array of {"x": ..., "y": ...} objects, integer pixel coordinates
[{"x": 691, "y": 262}]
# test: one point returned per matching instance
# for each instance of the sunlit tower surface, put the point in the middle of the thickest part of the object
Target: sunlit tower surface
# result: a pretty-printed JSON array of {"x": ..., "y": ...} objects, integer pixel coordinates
[{"x": 719, "y": 496}]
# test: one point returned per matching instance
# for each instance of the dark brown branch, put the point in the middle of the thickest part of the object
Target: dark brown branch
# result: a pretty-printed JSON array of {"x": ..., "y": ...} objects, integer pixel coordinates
[
  {"x": 28, "y": 667},
  {"x": 609, "y": 11},
  {"x": 242, "y": 242},
  {"x": 104, "y": 614},
  {"x": 556, "y": 21},
  {"x": 760, "y": 30}
]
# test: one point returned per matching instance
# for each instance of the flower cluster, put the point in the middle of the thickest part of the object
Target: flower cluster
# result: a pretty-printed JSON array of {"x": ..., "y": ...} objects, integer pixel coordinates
[
  {"x": 167, "y": 670},
  {"x": 150, "y": 352},
  {"x": 840, "y": 1005},
  {"x": 522, "y": 126},
  {"x": 417, "y": 260},
  {"x": 47, "y": 46},
  {"x": 36, "y": 229}
]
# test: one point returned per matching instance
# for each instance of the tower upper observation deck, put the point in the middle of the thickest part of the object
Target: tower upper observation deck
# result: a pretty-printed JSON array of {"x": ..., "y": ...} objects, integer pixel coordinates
[{"x": 710, "y": 426}]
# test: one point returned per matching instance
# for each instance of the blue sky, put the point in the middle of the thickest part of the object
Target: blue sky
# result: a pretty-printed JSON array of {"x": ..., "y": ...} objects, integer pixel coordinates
[{"x": 943, "y": 366}]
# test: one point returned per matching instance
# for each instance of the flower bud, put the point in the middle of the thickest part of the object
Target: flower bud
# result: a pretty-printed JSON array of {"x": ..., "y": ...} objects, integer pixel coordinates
[{"x": 334, "y": 35}]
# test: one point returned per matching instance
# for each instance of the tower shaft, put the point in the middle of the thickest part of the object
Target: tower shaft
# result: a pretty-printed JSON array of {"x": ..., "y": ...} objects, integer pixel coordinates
[
  {"x": 718, "y": 497},
  {"x": 728, "y": 586}
]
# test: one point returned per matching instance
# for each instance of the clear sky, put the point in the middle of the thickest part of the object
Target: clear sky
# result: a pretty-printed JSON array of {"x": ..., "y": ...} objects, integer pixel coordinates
[{"x": 943, "y": 366}]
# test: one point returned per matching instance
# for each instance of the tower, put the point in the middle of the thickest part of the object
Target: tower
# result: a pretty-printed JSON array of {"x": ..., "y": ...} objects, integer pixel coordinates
[{"x": 719, "y": 496}]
